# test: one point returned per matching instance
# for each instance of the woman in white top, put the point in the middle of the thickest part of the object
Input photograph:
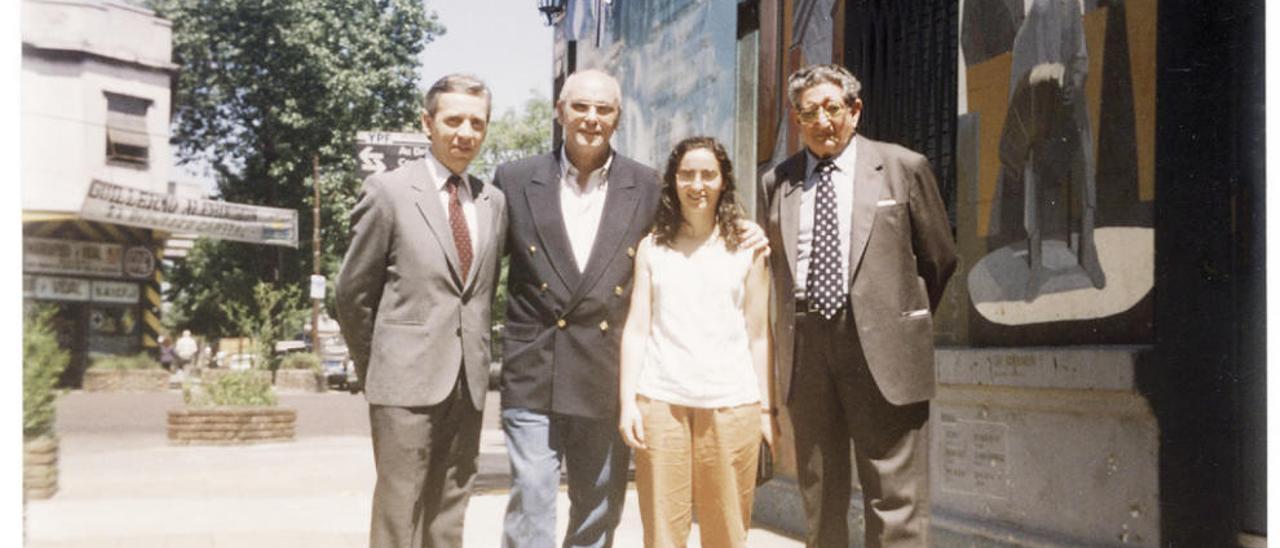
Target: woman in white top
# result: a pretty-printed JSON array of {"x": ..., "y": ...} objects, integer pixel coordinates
[{"x": 694, "y": 385}]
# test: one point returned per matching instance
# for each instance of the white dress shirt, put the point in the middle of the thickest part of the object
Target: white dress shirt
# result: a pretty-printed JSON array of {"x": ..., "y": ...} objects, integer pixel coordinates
[
  {"x": 582, "y": 206},
  {"x": 438, "y": 176},
  {"x": 842, "y": 180}
]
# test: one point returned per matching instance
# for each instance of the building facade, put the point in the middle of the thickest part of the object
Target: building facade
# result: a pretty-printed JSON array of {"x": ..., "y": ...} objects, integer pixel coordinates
[
  {"x": 96, "y": 81},
  {"x": 1101, "y": 347}
]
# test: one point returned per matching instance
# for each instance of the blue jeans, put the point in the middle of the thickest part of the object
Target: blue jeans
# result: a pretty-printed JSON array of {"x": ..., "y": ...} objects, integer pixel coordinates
[{"x": 595, "y": 459}]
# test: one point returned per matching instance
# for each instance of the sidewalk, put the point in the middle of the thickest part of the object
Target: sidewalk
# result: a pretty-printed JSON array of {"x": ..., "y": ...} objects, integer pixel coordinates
[{"x": 131, "y": 489}]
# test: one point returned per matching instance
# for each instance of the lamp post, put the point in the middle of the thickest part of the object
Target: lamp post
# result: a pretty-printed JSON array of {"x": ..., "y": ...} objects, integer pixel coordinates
[{"x": 551, "y": 9}]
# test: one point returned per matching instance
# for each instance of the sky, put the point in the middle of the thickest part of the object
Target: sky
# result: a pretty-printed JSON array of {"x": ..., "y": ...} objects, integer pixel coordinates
[{"x": 504, "y": 42}]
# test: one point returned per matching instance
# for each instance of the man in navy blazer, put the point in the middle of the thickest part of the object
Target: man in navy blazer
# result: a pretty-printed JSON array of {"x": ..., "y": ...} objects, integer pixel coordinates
[{"x": 575, "y": 218}]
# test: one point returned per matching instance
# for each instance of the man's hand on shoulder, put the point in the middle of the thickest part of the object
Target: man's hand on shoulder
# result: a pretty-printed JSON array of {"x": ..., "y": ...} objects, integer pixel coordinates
[{"x": 753, "y": 238}]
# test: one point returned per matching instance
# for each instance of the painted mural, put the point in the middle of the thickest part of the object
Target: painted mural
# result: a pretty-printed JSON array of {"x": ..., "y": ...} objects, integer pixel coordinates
[
  {"x": 1054, "y": 151},
  {"x": 676, "y": 61}
]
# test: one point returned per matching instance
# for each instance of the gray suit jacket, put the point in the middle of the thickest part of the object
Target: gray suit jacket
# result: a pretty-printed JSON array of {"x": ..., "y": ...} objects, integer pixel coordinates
[
  {"x": 901, "y": 256},
  {"x": 563, "y": 336},
  {"x": 408, "y": 317}
]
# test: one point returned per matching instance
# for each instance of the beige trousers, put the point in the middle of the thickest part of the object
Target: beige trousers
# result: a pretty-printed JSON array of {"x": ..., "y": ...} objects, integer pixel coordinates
[{"x": 697, "y": 460}]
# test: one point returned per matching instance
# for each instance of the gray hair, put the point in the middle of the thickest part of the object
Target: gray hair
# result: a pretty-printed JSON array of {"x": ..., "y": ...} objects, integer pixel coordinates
[
  {"x": 457, "y": 83},
  {"x": 812, "y": 75}
]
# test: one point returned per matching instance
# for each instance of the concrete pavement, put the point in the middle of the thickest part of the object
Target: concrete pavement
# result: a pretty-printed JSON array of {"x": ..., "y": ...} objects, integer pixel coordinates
[{"x": 122, "y": 485}]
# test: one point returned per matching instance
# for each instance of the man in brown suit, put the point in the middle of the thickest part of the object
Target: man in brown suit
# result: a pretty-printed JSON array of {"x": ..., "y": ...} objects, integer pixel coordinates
[
  {"x": 864, "y": 251},
  {"x": 414, "y": 297}
]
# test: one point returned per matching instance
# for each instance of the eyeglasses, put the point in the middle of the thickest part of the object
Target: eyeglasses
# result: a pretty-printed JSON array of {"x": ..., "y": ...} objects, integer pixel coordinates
[{"x": 832, "y": 110}]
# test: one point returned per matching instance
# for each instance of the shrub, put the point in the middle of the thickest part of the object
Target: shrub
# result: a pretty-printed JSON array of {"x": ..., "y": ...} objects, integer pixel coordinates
[
  {"x": 42, "y": 362},
  {"x": 125, "y": 363},
  {"x": 301, "y": 360},
  {"x": 237, "y": 388}
]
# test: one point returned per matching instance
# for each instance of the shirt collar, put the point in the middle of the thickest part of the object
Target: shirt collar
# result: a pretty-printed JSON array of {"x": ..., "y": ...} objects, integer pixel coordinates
[
  {"x": 844, "y": 162},
  {"x": 439, "y": 174},
  {"x": 569, "y": 172}
]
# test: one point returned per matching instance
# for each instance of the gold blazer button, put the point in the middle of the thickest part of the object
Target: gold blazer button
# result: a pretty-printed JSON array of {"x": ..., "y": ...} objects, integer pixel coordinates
[
  {"x": 543, "y": 287},
  {"x": 631, "y": 252},
  {"x": 604, "y": 325},
  {"x": 561, "y": 323},
  {"x": 533, "y": 249},
  {"x": 617, "y": 290}
]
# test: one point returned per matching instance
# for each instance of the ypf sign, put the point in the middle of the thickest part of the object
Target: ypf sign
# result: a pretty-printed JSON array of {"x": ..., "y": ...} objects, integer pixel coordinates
[{"x": 379, "y": 151}]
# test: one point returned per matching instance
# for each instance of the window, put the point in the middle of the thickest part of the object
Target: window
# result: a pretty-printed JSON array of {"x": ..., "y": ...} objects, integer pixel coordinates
[{"x": 127, "y": 138}]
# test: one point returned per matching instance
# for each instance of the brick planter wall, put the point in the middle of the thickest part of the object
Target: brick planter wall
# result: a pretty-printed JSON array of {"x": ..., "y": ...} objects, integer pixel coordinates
[
  {"x": 126, "y": 380},
  {"x": 299, "y": 380},
  {"x": 40, "y": 467},
  {"x": 231, "y": 425}
]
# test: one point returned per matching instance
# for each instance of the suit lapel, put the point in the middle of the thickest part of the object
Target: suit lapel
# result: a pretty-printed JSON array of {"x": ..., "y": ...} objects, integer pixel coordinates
[
  {"x": 484, "y": 228},
  {"x": 619, "y": 209},
  {"x": 791, "y": 180},
  {"x": 543, "y": 196},
  {"x": 868, "y": 185},
  {"x": 428, "y": 205}
]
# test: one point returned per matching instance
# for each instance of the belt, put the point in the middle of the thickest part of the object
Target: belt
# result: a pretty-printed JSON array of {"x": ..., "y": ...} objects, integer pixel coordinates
[{"x": 802, "y": 305}]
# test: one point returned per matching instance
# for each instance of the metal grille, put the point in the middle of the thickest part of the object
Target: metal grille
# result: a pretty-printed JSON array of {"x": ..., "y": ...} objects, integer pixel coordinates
[{"x": 904, "y": 53}]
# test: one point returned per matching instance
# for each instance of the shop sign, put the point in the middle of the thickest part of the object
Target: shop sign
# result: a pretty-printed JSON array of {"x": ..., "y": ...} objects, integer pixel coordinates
[
  {"x": 115, "y": 292},
  {"x": 139, "y": 262},
  {"x": 117, "y": 204},
  {"x": 55, "y": 289},
  {"x": 52, "y": 256}
]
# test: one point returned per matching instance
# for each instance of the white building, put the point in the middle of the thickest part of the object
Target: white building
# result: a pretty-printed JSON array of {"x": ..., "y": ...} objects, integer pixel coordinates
[{"x": 96, "y": 81}]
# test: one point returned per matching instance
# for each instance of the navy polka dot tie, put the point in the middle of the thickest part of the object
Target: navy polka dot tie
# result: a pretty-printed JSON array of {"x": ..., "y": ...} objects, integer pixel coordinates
[{"x": 826, "y": 272}]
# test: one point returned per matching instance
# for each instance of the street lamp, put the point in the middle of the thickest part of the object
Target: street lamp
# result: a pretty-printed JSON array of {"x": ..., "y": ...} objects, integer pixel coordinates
[{"x": 551, "y": 9}]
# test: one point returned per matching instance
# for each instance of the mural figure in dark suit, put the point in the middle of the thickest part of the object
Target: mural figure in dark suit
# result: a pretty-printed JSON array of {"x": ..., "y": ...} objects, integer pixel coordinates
[
  {"x": 414, "y": 297},
  {"x": 1046, "y": 147},
  {"x": 864, "y": 253}
]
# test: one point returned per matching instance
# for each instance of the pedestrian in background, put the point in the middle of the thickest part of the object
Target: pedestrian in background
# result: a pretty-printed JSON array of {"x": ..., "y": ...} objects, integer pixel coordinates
[
  {"x": 694, "y": 391},
  {"x": 185, "y": 349},
  {"x": 166, "y": 353},
  {"x": 414, "y": 299}
]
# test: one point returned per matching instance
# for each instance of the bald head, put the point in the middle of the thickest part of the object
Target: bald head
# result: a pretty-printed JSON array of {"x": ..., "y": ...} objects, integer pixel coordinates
[
  {"x": 595, "y": 80},
  {"x": 588, "y": 110}
]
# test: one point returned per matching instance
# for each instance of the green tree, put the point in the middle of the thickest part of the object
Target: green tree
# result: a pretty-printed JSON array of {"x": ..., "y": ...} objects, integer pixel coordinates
[
  {"x": 271, "y": 318},
  {"x": 263, "y": 86},
  {"x": 515, "y": 135}
]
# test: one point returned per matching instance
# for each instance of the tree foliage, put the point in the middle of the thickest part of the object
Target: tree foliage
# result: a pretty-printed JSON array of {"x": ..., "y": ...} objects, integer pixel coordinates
[
  {"x": 513, "y": 135},
  {"x": 262, "y": 87},
  {"x": 272, "y": 316}
]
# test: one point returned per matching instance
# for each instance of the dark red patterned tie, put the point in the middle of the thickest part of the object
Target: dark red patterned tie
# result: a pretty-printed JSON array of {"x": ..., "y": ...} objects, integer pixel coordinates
[{"x": 458, "y": 223}]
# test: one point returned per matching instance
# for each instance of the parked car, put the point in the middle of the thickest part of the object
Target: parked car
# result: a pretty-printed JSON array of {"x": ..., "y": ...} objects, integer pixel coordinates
[{"x": 240, "y": 361}]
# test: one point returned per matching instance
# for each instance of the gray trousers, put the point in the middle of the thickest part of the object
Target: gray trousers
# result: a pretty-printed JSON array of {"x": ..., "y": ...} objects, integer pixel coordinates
[
  {"x": 834, "y": 400},
  {"x": 426, "y": 462}
]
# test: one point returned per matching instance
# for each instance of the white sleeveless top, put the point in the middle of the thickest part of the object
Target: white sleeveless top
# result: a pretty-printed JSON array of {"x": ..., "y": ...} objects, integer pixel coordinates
[{"x": 697, "y": 354}]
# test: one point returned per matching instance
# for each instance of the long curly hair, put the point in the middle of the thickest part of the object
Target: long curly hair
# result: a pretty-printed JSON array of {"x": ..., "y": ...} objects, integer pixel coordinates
[{"x": 667, "y": 223}]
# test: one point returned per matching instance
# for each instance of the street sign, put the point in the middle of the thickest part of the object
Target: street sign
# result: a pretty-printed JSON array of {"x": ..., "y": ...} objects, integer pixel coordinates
[
  {"x": 379, "y": 151},
  {"x": 317, "y": 287}
]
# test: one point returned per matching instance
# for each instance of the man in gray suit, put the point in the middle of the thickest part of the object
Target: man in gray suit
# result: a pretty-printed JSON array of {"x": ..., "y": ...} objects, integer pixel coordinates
[
  {"x": 414, "y": 298},
  {"x": 866, "y": 253}
]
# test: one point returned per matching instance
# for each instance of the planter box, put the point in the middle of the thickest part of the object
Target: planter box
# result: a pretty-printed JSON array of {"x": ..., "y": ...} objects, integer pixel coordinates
[
  {"x": 126, "y": 380},
  {"x": 299, "y": 380},
  {"x": 231, "y": 425},
  {"x": 40, "y": 467}
]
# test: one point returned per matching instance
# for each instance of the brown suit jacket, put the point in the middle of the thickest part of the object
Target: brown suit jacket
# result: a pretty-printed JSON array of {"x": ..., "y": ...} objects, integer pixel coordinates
[
  {"x": 408, "y": 317},
  {"x": 901, "y": 256}
]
